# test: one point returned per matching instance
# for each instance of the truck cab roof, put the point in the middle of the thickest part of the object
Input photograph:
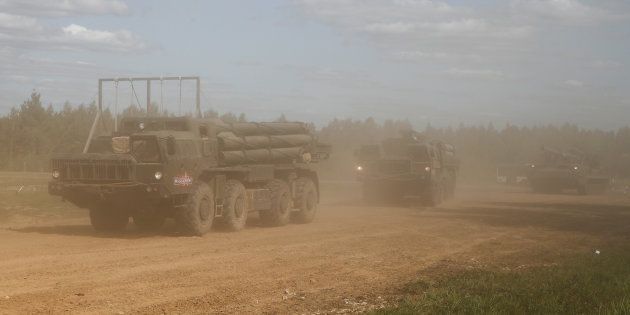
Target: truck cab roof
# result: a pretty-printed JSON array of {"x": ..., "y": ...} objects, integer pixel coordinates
[{"x": 169, "y": 126}]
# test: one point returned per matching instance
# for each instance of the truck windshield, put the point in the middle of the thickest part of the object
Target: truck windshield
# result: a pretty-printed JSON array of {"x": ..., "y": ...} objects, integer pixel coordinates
[
  {"x": 419, "y": 153},
  {"x": 145, "y": 150}
]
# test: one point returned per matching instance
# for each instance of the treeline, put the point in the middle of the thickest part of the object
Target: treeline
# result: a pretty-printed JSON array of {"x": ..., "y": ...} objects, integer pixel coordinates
[{"x": 31, "y": 133}]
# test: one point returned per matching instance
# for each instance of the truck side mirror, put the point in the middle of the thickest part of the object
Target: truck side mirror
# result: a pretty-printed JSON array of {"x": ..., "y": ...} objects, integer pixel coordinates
[{"x": 170, "y": 145}]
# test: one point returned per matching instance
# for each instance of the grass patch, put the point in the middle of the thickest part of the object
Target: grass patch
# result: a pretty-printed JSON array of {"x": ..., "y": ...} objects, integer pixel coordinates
[
  {"x": 586, "y": 284},
  {"x": 34, "y": 204},
  {"x": 18, "y": 179}
]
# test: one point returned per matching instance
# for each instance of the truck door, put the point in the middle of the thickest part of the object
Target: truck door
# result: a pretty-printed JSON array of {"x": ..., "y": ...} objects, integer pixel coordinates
[{"x": 182, "y": 168}]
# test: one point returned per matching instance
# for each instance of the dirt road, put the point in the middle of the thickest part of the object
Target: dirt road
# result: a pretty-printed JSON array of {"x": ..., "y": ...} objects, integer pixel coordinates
[{"x": 354, "y": 256}]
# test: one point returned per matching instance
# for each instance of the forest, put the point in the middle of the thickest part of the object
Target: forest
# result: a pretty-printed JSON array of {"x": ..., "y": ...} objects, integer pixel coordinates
[{"x": 32, "y": 133}]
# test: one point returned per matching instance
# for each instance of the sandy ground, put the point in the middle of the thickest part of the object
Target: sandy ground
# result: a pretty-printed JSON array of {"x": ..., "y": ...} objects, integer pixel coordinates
[{"x": 353, "y": 257}]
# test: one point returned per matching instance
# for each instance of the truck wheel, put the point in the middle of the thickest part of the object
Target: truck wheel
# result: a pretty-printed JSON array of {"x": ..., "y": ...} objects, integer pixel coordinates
[
  {"x": 451, "y": 191},
  {"x": 151, "y": 220},
  {"x": 306, "y": 200},
  {"x": 434, "y": 197},
  {"x": 234, "y": 206},
  {"x": 371, "y": 192},
  {"x": 536, "y": 188},
  {"x": 280, "y": 212},
  {"x": 196, "y": 216},
  {"x": 582, "y": 190},
  {"x": 107, "y": 219}
]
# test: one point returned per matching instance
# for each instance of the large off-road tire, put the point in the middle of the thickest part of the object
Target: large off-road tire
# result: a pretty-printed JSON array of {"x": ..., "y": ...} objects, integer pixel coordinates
[
  {"x": 536, "y": 188},
  {"x": 105, "y": 218},
  {"x": 306, "y": 200},
  {"x": 234, "y": 206},
  {"x": 583, "y": 190},
  {"x": 196, "y": 216},
  {"x": 452, "y": 186},
  {"x": 150, "y": 220},
  {"x": 435, "y": 195},
  {"x": 281, "y": 204}
]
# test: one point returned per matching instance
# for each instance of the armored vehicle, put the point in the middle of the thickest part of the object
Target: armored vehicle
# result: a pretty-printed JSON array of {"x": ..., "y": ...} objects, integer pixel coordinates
[
  {"x": 407, "y": 167},
  {"x": 556, "y": 171}
]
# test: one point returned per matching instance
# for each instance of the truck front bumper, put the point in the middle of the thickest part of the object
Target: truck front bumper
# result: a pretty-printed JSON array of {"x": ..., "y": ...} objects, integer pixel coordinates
[
  {"x": 407, "y": 186},
  {"x": 82, "y": 194},
  {"x": 561, "y": 182}
]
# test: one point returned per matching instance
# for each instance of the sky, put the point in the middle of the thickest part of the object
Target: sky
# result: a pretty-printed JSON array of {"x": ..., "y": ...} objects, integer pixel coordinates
[{"x": 444, "y": 63}]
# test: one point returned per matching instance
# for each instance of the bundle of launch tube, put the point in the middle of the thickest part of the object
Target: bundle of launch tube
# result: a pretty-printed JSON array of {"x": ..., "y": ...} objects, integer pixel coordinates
[{"x": 259, "y": 143}]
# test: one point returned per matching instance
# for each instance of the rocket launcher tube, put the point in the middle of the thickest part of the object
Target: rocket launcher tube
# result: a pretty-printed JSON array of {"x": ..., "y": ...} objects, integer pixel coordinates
[
  {"x": 261, "y": 156},
  {"x": 229, "y": 141},
  {"x": 265, "y": 128}
]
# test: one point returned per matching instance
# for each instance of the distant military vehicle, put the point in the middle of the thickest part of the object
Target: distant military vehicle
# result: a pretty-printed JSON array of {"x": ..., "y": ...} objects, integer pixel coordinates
[
  {"x": 512, "y": 174},
  {"x": 197, "y": 171},
  {"x": 557, "y": 171},
  {"x": 407, "y": 167}
]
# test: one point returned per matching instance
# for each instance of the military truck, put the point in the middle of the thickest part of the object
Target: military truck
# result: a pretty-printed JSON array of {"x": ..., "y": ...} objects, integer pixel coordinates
[
  {"x": 200, "y": 172},
  {"x": 512, "y": 174},
  {"x": 556, "y": 171},
  {"x": 407, "y": 168}
]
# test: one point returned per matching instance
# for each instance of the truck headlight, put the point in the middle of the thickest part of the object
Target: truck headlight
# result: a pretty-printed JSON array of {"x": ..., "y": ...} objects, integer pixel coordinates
[
  {"x": 576, "y": 168},
  {"x": 158, "y": 175},
  {"x": 359, "y": 168},
  {"x": 427, "y": 169},
  {"x": 56, "y": 174}
]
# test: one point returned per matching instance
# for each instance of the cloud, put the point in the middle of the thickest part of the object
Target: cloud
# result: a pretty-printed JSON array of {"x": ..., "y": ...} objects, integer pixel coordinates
[
  {"x": 77, "y": 36},
  {"x": 574, "y": 83},
  {"x": 418, "y": 25},
  {"x": 475, "y": 73},
  {"x": 605, "y": 64},
  {"x": 20, "y": 23},
  {"x": 25, "y": 33},
  {"x": 60, "y": 8},
  {"x": 333, "y": 77},
  {"x": 21, "y": 29},
  {"x": 462, "y": 26},
  {"x": 389, "y": 28},
  {"x": 440, "y": 56},
  {"x": 418, "y": 18},
  {"x": 561, "y": 10}
]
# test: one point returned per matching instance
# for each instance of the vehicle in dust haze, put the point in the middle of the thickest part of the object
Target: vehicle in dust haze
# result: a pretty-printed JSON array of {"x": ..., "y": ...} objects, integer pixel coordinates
[
  {"x": 201, "y": 172},
  {"x": 557, "y": 171},
  {"x": 407, "y": 167},
  {"x": 512, "y": 174}
]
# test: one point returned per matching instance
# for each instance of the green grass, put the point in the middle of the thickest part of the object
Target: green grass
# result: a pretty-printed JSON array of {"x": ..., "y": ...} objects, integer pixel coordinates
[{"x": 587, "y": 284}]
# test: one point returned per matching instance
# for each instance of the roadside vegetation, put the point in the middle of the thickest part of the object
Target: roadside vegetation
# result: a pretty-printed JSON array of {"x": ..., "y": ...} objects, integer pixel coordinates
[
  {"x": 25, "y": 195},
  {"x": 584, "y": 284},
  {"x": 34, "y": 204}
]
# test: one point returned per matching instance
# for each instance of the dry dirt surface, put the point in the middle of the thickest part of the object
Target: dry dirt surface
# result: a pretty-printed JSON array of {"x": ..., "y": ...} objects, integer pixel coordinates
[{"x": 353, "y": 257}]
